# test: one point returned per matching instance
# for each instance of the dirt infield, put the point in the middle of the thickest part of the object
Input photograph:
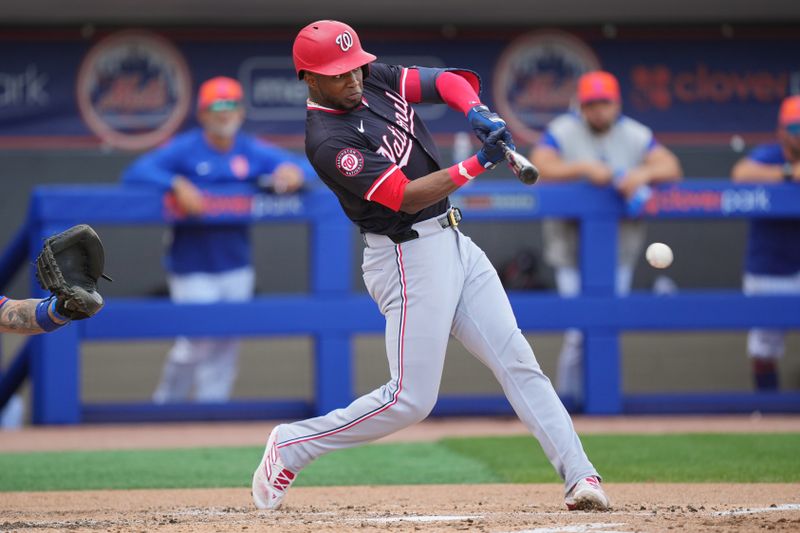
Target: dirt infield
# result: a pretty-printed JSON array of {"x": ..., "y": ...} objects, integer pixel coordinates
[
  {"x": 643, "y": 507},
  {"x": 428, "y": 508}
]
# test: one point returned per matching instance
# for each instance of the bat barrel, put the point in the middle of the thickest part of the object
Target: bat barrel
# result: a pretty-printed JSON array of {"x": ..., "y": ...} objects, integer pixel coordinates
[{"x": 522, "y": 168}]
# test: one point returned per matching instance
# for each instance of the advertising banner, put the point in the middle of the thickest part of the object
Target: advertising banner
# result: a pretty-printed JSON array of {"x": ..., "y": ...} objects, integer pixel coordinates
[{"x": 133, "y": 89}]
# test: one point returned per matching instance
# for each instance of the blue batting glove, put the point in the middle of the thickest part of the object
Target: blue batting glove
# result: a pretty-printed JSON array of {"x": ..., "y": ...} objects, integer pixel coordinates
[
  {"x": 484, "y": 122},
  {"x": 508, "y": 139},
  {"x": 491, "y": 153}
]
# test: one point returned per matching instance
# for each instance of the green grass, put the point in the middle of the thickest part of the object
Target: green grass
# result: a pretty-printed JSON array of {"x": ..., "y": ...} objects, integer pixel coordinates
[
  {"x": 694, "y": 458},
  {"x": 620, "y": 458}
]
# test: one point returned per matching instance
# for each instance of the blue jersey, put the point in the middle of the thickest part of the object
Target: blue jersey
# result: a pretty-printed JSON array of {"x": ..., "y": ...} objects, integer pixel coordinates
[
  {"x": 773, "y": 246},
  {"x": 200, "y": 247}
]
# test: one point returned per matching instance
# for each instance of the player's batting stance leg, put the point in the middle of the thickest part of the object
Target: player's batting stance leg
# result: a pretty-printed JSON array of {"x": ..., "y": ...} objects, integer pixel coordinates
[
  {"x": 486, "y": 326},
  {"x": 399, "y": 278}
]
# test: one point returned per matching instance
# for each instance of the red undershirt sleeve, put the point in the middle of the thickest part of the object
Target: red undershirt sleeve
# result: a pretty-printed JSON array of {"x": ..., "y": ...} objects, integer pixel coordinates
[
  {"x": 411, "y": 86},
  {"x": 456, "y": 92},
  {"x": 388, "y": 188}
]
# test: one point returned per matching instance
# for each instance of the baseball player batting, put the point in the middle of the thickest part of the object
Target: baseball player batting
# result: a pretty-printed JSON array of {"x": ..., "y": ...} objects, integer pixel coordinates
[{"x": 429, "y": 280}]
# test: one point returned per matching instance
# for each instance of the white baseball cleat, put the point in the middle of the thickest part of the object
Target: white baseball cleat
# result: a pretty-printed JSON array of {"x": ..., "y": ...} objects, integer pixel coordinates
[
  {"x": 271, "y": 479},
  {"x": 587, "y": 495}
]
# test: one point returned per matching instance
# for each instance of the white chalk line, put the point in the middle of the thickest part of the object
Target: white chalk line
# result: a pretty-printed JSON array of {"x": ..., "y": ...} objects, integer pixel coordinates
[
  {"x": 782, "y": 507},
  {"x": 418, "y": 518},
  {"x": 204, "y": 512},
  {"x": 596, "y": 527}
]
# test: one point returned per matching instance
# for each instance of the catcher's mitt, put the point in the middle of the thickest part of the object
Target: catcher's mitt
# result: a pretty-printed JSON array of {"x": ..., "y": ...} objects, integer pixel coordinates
[{"x": 69, "y": 266}]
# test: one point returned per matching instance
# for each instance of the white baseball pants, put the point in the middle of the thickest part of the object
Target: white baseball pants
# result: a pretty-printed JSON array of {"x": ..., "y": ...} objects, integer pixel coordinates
[
  {"x": 208, "y": 365},
  {"x": 569, "y": 378},
  {"x": 427, "y": 289},
  {"x": 765, "y": 343}
]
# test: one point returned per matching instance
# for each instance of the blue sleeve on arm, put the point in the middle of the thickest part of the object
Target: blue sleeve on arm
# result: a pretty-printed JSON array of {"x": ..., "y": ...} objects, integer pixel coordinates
[
  {"x": 308, "y": 171},
  {"x": 767, "y": 154},
  {"x": 154, "y": 168},
  {"x": 427, "y": 82},
  {"x": 309, "y": 174},
  {"x": 269, "y": 157},
  {"x": 547, "y": 139}
]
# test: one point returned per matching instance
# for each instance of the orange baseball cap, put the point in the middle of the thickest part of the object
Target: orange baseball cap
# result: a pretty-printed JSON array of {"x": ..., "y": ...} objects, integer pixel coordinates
[
  {"x": 219, "y": 93},
  {"x": 598, "y": 85},
  {"x": 790, "y": 111}
]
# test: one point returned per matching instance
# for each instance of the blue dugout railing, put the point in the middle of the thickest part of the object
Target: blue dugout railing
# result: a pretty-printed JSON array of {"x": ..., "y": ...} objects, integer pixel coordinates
[{"x": 333, "y": 313}]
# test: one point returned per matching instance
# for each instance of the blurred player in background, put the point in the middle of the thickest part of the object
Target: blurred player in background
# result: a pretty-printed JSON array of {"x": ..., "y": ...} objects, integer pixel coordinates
[
  {"x": 600, "y": 144},
  {"x": 772, "y": 265},
  {"x": 211, "y": 262}
]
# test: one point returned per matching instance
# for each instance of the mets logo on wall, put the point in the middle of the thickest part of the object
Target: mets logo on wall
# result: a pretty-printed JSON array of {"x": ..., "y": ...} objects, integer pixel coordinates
[
  {"x": 349, "y": 162},
  {"x": 133, "y": 90},
  {"x": 536, "y": 77}
]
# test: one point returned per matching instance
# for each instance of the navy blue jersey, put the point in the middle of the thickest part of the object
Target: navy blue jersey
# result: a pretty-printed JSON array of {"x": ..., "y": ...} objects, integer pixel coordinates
[
  {"x": 773, "y": 246},
  {"x": 355, "y": 151},
  {"x": 212, "y": 247}
]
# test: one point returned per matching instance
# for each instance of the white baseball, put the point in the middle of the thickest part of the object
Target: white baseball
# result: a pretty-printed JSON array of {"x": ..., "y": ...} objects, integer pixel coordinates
[{"x": 659, "y": 255}]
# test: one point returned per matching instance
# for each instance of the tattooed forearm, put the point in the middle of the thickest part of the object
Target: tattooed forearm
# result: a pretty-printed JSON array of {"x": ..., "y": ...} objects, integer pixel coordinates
[{"x": 19, "y": 316}]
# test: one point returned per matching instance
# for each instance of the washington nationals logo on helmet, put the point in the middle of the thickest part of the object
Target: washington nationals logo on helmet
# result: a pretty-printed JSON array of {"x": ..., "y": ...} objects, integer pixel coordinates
[
  {"x": 345, "y": 41},
  {"x": 350, "y": 162}
]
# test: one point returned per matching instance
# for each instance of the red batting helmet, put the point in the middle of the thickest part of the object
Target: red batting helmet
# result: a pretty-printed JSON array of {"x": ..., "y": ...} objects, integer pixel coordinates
[{"x": 328, "y": 47}]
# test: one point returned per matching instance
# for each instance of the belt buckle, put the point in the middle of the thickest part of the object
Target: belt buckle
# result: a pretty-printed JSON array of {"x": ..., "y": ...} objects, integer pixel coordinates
[{"x": 454, "y": 216}]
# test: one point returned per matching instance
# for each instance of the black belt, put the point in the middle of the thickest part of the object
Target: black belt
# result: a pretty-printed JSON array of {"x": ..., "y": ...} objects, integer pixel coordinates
[{"x": 450, "y": 219}]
